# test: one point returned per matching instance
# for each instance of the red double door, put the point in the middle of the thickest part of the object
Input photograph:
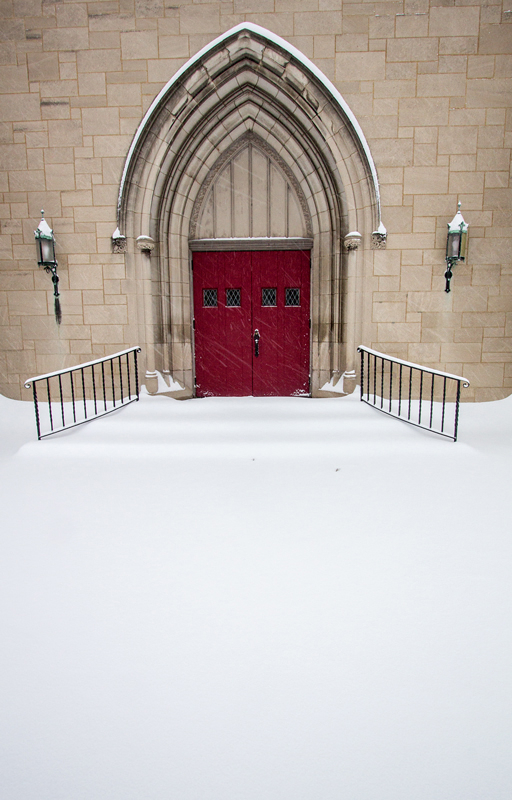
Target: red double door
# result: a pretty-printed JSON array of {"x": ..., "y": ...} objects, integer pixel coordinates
[{"x": 251, "y": 312}]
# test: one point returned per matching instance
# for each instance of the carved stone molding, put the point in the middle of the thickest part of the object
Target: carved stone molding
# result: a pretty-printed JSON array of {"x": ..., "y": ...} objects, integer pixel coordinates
[
  {"x": 378, "y": 240},
  {"x": 119, "y": 242},
  {"x": 252, "y": 243}
]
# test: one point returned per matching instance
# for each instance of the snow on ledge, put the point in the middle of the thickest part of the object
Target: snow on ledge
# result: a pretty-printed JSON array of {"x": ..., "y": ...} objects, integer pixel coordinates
[
  {"x": 163, "y": 386},
  {"x": 330, "y": 386}
]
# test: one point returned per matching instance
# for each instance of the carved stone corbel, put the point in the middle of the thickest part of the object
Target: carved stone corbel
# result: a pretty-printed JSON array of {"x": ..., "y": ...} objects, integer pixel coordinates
[
  {"x": 352, "y": 240},
  {"x": 146, "y": 244},
  {"x": 379, "y": 238},
  {"x": 119, "y": 242}
]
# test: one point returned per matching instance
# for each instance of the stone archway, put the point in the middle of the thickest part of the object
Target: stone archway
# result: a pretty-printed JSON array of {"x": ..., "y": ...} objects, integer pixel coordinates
[{"x": 248, "y": 83}]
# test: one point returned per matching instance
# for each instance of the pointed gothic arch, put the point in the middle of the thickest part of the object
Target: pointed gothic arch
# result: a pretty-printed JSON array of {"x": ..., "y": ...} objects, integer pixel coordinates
[
  {"x": 248, "y": 86},
  {"x": 248, "y": 168}
]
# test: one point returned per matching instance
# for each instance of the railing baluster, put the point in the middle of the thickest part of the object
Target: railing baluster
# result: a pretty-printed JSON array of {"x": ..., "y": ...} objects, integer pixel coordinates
[
  {"x": 103, "y": 381},
  {"x": 456, "y": 423},
  {"x": 444, "y": 406},
  {"x": 374, "y": 378},
  {"x": 83, "y": 393},
  {"x": 112, "y": 380},
  {"x": 121, "y": 378},
  {"x": 421, "y": 397},
  {"x": 400, "y": 390},
  {"x": 390, "y": 383},
  {"x": 61, "y": 402},
  {"x": 381, "y": 382},
  {"x": 432, "y": 399},
  {"x": 72, "y": 395},
  {"x": 78, "y": 416},
  {"x": 128, "y": 376},
  {"x": 49, "y": 402},
  {"x": 426, "y": 419},
  {"x": 36, "y": 409},
  {"x": 410, "y": 393},
  {"x": 94, "y": 389}
]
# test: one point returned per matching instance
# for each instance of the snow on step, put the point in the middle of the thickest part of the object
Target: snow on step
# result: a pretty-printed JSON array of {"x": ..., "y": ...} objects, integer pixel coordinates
[{"x": 246, "y": 427}]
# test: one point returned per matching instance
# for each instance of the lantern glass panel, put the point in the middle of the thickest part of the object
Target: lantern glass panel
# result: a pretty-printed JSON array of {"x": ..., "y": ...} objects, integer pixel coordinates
[
  {"x": 453, "y": 248},
  {"x": 47, "y": 252},
  {"x": 463, "y": 245}
]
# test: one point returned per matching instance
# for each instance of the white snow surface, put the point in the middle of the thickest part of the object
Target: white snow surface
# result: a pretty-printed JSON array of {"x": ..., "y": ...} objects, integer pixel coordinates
[{"x": 238, "y": 599}]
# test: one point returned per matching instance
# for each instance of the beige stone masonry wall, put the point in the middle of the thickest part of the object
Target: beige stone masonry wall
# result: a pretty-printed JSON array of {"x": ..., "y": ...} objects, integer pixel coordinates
[{"x": 430, "y": 84}]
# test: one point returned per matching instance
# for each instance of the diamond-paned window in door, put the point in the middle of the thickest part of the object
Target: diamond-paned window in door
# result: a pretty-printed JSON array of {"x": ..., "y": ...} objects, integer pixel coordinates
[
  {"x": 232, "y": 298},
  {"x": 292, "y": 297},
  {"x": 269, "y": 297},
  {"x": 210, "y": 298}
]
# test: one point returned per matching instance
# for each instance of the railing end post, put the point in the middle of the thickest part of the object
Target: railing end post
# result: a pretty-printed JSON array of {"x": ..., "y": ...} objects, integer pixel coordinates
[
  {"x": 137, "y": 350},
  {"x": 361, "y": 377}
]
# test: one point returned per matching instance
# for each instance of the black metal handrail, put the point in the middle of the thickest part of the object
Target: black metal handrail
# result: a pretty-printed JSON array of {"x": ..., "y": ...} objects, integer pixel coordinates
[
  {"x": 418, "y": 395},
  {"x": 91, "y": 390}
]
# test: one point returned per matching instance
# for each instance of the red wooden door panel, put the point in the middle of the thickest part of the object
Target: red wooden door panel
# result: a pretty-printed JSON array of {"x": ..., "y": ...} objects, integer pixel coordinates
[
  {"x": 237, "y": 293},
  {"x": 222, "y": 313},
  {"x": 280, "y": 312}
]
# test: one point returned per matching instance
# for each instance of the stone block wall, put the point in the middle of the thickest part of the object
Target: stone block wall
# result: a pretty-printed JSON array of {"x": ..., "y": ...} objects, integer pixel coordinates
[{"x": 430, "y": 84}]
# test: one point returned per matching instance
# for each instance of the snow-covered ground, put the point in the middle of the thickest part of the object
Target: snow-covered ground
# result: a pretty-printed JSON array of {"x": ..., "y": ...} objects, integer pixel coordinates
[{"x": 256, "y": 599}]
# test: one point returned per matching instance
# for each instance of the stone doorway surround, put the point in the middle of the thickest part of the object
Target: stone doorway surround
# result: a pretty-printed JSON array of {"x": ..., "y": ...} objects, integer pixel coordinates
[{"x": 249, "y": 85}]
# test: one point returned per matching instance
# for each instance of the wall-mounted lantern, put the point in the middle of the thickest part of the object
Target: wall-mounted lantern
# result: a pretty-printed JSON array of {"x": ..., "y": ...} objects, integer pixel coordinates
[
  {"x": 45, "y": 243},
  {"x": 456, "y": 244}
]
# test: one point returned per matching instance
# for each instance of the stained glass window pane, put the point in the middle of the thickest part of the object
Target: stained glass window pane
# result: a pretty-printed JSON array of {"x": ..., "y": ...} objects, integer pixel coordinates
[
  {"x": 232, "y": 297},
  {"x": 269, "y": 297},
  {"x": 292, "y": 297},
  {"x": 210, "y": 298}
]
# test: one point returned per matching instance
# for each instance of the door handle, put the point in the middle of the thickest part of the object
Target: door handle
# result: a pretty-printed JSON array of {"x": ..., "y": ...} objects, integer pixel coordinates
[{"x": 256, "y": 343}]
